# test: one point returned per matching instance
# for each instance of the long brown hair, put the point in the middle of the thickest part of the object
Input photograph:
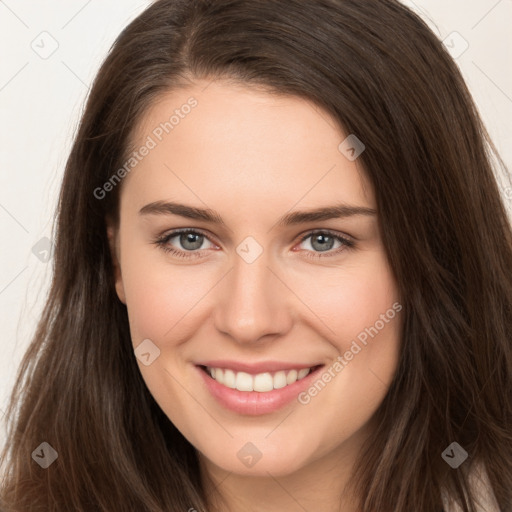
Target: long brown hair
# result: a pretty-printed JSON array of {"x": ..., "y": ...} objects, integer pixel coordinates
[{"x": 377, "y": 69}]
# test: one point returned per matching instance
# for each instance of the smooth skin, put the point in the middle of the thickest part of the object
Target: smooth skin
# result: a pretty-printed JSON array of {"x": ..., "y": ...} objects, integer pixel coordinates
[{"x": 252, "y": 157}]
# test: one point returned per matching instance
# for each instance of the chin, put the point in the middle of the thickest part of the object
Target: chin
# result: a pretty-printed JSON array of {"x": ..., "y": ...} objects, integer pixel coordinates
[{"x": 251, "y": 461}]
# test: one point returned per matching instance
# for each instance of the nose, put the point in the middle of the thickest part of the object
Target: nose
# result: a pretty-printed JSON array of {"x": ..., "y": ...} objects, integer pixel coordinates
[{"x": 253, "y": 302}]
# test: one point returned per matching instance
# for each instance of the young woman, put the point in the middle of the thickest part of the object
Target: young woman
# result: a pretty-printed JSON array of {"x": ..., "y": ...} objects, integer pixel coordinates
[{"x": 282, "y": 276}]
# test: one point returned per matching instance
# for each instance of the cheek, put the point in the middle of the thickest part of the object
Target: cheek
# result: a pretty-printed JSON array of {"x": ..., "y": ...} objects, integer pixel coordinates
[
  {"x": 350, "y": 300},
  {"x": 371, "y": 329},
  {"x": 360, "y": 316},
  {"x": 160, "y": 296}
]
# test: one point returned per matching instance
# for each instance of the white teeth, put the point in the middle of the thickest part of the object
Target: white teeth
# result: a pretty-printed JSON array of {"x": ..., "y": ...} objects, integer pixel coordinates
[
  {"x": 302, "y": 373},
  {"x": 261, "y": 382},
  {"x": 291, "y": 377},
  {"x": 230, "y": 379},
  {"x": 280, "y": 380},
  {"x": 244, "y": 382}
]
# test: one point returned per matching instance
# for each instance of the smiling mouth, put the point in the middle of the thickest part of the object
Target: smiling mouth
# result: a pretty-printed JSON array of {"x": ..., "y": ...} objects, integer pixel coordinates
[{"x": 261, "y": 382}]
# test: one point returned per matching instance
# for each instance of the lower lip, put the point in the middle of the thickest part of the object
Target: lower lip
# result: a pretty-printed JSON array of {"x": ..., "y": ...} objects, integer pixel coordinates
[{"x": 254, "y": 403}]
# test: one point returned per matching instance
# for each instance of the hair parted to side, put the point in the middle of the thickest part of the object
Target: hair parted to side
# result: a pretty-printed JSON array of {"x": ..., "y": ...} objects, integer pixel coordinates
[{"x": 379, "y": 71}]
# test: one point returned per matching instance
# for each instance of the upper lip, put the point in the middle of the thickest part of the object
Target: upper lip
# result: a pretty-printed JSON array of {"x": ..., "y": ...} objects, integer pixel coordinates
[{"x": 255, "y": 368}]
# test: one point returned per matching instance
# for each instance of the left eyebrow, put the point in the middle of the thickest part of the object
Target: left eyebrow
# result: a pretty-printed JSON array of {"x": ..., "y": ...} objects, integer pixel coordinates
[
  {"x": 292, "y": 218},
  {"x": 329, "y": 212}
]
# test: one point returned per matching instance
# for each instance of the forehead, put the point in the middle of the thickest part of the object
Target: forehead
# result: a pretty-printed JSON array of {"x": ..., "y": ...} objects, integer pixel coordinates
[{"x": 220, "y": 141}]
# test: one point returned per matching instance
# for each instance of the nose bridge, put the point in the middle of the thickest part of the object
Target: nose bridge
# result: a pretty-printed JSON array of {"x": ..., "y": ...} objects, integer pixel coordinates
[{"x": 252, "y": 302}]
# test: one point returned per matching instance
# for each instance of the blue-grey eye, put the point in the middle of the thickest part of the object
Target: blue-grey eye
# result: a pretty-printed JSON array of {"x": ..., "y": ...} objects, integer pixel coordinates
[
  {"x": 191, "y": 241},
  {"x": 322, "y": 241}
]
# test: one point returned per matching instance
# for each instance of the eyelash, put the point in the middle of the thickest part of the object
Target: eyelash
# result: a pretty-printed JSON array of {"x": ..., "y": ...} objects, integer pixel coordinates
[{"x": 163, "y": 241}]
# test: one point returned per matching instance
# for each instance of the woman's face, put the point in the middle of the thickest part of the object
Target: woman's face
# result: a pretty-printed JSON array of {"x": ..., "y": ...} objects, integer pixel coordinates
[{"x": 256, "y": 289}]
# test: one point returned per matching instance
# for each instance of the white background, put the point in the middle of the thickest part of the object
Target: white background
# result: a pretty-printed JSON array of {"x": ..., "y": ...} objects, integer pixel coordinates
[{"x": 41, "y": 101}]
